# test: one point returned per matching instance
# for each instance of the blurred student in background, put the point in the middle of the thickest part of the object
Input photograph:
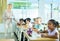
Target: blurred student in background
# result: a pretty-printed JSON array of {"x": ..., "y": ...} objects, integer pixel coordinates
[
  {"x": 28, "y": 25},
  {"x": 37, "y": 24},
  {"x": 21, "y": 22},
  {"x": 28, "y": 22},
  {"x": 35, "y": 20}
]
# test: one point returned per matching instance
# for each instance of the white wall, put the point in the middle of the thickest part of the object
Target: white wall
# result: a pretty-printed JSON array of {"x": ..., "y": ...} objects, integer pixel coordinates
[
  {"x": 24, "y": 13},
  {"x": 44, "y": 10}
]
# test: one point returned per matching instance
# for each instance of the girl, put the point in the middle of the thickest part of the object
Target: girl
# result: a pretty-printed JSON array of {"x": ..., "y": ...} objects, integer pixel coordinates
[
  {"x": 37, "y": 24},
  {"x": 52, "y": 31},
  {"x": 28, "y": 23},
  {"x": 21, "y": 22}
]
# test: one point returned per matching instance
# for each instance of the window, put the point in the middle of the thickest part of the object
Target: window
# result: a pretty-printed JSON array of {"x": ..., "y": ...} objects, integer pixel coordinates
[{"x": 25, "y": 8}]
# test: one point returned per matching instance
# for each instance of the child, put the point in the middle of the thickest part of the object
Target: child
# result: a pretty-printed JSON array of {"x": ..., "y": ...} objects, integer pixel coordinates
[
  {"x": 52, "y": 31},
  {"x": 28, "y": 26},
  {"x": 39, "y": 20},
  {"x": 28, "y": 23},
  {"x": 21, "y": 22},
  {"x": 37, "y": 24}
]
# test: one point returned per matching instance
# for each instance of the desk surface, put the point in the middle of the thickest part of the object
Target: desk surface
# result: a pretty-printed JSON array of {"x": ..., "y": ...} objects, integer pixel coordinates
[
  {"x": 7, "y": 40},
  {"x": 38, "y": 39}
]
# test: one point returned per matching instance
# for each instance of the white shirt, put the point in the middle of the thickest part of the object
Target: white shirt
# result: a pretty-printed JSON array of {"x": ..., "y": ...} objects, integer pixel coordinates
[
  {"x": 29, "y": 25},
  {"x": 53, "y": 33},
  {"x": 7, "y": 15}
]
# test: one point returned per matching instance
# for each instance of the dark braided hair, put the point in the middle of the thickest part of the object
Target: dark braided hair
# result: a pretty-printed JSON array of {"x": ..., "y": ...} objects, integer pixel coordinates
[{"x": 54, "y": 22}]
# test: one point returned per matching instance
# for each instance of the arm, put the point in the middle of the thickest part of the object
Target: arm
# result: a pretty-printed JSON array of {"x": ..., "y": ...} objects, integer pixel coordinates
[
  {"x": 34, "y": 29},
  {"x": 44, "y": 31},
  {"x": 53, "y": 36}
]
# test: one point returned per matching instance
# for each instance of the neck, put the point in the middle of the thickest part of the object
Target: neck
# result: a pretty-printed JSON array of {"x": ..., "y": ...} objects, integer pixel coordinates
[
  {"x": 8, "y": 9},
  {"x": 52, "y": 30}
]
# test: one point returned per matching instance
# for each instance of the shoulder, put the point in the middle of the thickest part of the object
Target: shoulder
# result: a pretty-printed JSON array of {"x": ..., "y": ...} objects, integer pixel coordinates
[{"x": 56, "y": 30}]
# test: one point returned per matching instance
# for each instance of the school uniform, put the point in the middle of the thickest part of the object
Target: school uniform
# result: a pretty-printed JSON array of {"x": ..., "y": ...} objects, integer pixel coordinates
[
  {"x": 53, "y": 33},
  {"x": 39, "y": 27}
]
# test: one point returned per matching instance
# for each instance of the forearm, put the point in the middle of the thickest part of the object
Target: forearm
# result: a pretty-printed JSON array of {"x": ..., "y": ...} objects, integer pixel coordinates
[
  {"x": 44, "y": 31},
  {"x": 56, "y": 37}
]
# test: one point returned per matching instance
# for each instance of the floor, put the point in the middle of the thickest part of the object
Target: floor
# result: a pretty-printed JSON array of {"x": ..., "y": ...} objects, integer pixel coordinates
[{"x": 2, "y": 35}]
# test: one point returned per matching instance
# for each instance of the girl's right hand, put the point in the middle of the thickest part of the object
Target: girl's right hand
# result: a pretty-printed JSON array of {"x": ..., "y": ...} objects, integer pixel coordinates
[{"x": 44, "y": 35}]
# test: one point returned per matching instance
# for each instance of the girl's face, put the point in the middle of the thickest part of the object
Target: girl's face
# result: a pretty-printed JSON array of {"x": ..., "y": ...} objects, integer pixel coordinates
[
  {"x": 50, "y": 25},
  {"x": 21, "y": 21},
  {"x": 27, "y": 22}
]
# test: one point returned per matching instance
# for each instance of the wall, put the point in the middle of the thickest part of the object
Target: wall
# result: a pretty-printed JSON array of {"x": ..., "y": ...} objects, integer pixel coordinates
[{"x": 3, "y": 4}]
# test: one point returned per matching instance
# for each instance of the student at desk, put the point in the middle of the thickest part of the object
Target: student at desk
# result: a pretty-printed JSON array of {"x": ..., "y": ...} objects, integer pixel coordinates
[
  {"x": 28, "y": 23},
  {"x": 37, "y": 24},
  {"x": 52, "y": 31},
  {"x": 27, "y": 26},
  {"x": 21, "y": 22},
  {"x": 21, "y": 25}
]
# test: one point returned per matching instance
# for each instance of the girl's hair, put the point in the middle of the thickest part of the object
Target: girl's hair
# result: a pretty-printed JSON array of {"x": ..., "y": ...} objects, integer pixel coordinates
[
  {"x": 34, "y": 19},
  {"x": 25, "y": 21},
  {"x": 21, "y": 19},
  {"x": 54, "y": 22},
  {"x": 39, "y": 18},
  {"x": 28, "y": 19}
]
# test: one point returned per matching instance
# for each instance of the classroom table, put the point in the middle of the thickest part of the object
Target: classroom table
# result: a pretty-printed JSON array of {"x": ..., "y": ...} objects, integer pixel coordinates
[
  {"x": 38, "y": 39},
  {"x": 31, "y": 38}
]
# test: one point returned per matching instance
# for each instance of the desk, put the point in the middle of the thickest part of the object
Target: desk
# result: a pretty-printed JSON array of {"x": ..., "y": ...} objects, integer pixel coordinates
[
  {"x": 32, "y": 39},
  {"x": 7, "y": 40},
  {"x": 38, "y": 39}
]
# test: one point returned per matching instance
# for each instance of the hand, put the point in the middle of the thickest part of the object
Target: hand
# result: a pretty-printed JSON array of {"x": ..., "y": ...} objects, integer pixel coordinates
[
  {"x": 35, "y": 30},
  {"x": 44, "y": 35}
]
